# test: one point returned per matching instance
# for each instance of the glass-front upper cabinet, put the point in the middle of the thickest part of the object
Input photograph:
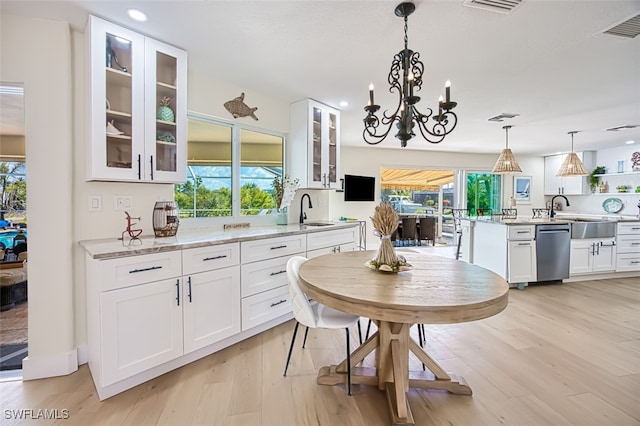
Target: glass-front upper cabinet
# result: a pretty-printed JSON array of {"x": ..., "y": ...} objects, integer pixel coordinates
[
  {"x": 137, "y": 106},
  {"x": 315, "y": 144}
]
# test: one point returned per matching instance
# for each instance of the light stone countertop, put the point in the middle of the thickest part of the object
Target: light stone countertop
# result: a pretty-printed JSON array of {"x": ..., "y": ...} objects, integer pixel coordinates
[
  {"x": 114, "y": 248},
  {"x": 559, "y": 219}
]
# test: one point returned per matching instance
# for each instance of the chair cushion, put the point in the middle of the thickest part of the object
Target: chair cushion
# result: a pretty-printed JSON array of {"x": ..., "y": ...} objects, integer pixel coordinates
[{"x": 332, "y": 318}]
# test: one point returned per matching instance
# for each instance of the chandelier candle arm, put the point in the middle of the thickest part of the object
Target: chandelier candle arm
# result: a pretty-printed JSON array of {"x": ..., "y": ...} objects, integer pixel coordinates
[{"x": 404, "y": 78}]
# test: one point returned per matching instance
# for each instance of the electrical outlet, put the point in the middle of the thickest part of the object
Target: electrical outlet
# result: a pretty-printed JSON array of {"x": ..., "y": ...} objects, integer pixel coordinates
[{"x": 122, "y": 202}]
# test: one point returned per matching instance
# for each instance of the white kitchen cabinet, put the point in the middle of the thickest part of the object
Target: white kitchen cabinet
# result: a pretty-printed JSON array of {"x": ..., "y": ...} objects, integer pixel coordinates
[
  {"x": 628, "y": 253},
  {"x": 570, "y": 185},
  {"x": 522, "y": 261},
  {"x": 521, "y": 254},
  {"x": 592, "y": 256},
  {"x": 141, "y": 327},
  {"x": 265, "y": 286},
  {"x": 134, "y": 318},
  {"x": 210, "y": 294},
  {"x": 333, "y": 241},
  {"x": 314, "y": 145},
  {"x": 211, "y": 307},
  {"x": 129, "y": 75}
]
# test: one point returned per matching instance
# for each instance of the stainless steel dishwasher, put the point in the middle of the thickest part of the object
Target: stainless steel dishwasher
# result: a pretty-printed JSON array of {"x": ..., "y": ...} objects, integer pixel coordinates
[{"x": 553, "y": 248}]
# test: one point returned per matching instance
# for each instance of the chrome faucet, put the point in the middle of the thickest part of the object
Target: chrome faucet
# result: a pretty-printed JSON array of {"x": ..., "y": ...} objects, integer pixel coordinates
[
  {"x": 303, "y": 215},
  {"x": 552, "y": 213}
]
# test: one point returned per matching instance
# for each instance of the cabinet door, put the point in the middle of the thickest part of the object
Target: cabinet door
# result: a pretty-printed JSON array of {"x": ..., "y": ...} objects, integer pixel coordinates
[
  {"x": 332, "y": 149},
  {"x": 314, "y": 144},
  {"x": 141, "y": 327},
  {"x": 166, "y": 125},
  {"x": 522, "y": 261},
  {"x": 582, "y": 252},
  {"x": 116, "y": 86},
  {"x": 605, "y": 258},
  {"x": 211, "y": 307},
  {"x": 336, "y": 237},
  {"x": 552, "y": 183}
]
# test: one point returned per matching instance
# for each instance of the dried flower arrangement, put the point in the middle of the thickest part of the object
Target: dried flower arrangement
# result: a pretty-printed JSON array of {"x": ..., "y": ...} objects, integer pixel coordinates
[
  {"x": 385, "y": 222},
  {"x": 284, "y": 189}
]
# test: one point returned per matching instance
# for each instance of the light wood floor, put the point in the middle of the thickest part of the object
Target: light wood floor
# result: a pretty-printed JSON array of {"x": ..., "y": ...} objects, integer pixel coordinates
[{"x": 558, "y": 355}]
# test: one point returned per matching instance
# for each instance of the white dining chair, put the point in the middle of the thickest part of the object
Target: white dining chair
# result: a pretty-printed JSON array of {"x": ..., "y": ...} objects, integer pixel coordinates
[{"x": 313, "y": 314}]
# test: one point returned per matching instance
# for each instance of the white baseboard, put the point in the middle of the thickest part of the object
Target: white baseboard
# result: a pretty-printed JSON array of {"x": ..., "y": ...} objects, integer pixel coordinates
[
  {"x": 40, "y": 367},
  {"x": 83, "y": 354}
]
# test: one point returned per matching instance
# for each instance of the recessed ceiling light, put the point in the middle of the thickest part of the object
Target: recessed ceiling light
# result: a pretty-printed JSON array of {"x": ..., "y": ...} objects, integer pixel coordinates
[
  {"x": 137, "y": 15},
  {"x": 344, "y": 104},
  {"x": 629, "y": 142}
]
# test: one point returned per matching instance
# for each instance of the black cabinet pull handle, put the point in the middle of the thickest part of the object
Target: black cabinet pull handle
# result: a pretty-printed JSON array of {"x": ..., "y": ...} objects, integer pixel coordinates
[
  {"x": 278, "y": 303},
  {"x": 139, "y": 168},
  {"x": 151, "y": 268},
  {"x": 215, "y": 257},
  {"x": 178, "y": 292},
  {"x": 278, "y": 273},
  {"x": 151, "y": 161},
  {"x": 189, "y": 282},
  {"x": 278, "y": 247}
]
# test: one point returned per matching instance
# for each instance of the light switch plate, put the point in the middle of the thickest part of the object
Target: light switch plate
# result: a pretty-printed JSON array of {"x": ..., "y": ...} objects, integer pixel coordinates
[{"x": 95, "y": 203}]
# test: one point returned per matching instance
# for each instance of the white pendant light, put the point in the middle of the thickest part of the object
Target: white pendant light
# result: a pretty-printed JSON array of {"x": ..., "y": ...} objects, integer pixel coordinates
[
  {"x": 507, "y": 163},
  {"x": 572, "y": 166}
]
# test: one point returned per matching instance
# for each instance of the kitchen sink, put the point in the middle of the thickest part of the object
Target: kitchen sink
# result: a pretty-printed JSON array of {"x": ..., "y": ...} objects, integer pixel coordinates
[
  {"x": 318, "y": 224},
  {"x": 581, "y": 229}
]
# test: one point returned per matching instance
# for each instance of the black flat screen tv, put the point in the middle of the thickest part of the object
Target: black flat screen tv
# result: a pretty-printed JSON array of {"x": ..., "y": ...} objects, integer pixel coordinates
[{"x": 359, "y": 188}]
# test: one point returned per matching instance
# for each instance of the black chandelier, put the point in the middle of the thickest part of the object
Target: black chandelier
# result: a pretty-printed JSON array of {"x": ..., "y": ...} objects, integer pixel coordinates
[{"x": 404, "y": 77}]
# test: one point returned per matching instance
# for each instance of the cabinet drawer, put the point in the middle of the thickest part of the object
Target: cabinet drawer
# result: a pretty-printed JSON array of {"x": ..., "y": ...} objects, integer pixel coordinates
[
  {"x": 208, "y": 258},
  {"x": 263, "y": 307},
  {"x": 266, "y": 275},
  {"x": 628, "y": 243},
  {"x": 129, "y": 271},
  {"x": 628, "y": 262},
  {"x": 522, "y": 232},
  {"x": 252, "y": 251},
  {"x": 629, "y": 228},
  {"x": 317, "y": 240}
]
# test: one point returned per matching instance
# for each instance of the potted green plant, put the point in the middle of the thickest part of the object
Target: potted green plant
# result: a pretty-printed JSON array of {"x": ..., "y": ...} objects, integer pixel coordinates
[{"x": 594, "y": 178}]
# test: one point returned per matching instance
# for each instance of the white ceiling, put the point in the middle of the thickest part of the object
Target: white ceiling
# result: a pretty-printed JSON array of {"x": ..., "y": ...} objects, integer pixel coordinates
[{"x": 547, "y": 60}]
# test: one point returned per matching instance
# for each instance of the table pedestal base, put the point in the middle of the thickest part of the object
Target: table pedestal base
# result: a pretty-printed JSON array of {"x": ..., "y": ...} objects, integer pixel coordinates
[{"x": 391, "y": 374}]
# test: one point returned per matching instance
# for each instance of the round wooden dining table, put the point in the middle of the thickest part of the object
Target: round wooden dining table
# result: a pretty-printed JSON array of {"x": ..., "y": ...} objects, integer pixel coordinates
[{"x": 436, "y": 290}]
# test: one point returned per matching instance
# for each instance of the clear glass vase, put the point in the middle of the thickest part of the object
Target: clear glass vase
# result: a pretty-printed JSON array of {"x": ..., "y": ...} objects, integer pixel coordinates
[{"x": 282, "y": 216}]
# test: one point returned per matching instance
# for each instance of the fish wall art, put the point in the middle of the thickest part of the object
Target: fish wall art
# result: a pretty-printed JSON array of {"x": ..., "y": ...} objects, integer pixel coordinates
[{"x": 238, "y": 108}]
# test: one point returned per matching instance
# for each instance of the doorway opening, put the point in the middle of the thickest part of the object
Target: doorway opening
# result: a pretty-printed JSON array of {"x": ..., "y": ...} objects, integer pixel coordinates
[
  {"x": 13, "y": 231},
  {"x": 422, "y": 193}
]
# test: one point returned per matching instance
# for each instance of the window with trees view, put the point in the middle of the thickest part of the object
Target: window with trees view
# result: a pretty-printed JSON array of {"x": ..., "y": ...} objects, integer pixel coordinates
[
  {"x": 222, "y": 155},
  {"x": 13, "y": 195}
]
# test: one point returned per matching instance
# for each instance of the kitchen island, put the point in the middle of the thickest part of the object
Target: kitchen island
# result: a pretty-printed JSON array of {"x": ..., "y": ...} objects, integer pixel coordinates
[{"x": 510, "y": 248}]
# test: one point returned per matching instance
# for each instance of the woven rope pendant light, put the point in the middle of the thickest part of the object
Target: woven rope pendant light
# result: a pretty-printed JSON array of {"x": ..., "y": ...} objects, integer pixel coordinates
[
  {"x": 572, "y": 166},
  {"x": 507, "y": 162}
]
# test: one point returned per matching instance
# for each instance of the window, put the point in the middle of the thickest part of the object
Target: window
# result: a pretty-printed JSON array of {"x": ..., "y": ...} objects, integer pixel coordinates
[
  {"x": 221, "y": 183},
  {"x": 483, "y": 192}
]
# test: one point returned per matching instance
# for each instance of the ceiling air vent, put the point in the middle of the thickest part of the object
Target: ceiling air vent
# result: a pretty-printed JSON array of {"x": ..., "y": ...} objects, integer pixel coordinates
[
  {"x": 629, "y": 28},
  {"x": 502, "y": 116},
  {"x": 625, "y": 127},
  {"x": 500, "y": 6}
]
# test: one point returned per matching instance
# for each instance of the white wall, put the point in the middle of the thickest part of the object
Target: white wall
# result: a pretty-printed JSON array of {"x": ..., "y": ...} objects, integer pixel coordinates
[{"x": 37, "y": 53}]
